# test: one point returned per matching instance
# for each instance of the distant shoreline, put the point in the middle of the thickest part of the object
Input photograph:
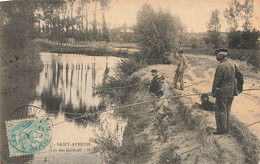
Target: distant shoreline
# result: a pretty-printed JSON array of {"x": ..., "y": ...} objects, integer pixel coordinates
[{"x": 96, "y": 49}]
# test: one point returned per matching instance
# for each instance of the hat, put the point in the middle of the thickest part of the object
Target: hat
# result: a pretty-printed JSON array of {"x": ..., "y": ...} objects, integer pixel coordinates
[
  {"x": 224, "y": 54},
  {"x": 160, "y": 77},
  {"x": 221, "y": 50},
  {"x": 154, "y": 70}
]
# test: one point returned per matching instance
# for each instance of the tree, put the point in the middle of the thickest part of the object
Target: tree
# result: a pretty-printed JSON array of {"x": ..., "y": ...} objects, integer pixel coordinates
[
  {"x": 158, "y": 34},
  {"x": 247, "y": 14},
  {"x": 214, "y": 29},
  {"x": 19, "y": 25},
  {"x": 233, "y": 13},
  {"x": 94, "y": 25},
  {"x": 105, "y": 32}
]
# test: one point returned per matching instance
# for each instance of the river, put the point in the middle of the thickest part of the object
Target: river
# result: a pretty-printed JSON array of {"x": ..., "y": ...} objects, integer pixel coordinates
[{"x": 66, "y": 89}]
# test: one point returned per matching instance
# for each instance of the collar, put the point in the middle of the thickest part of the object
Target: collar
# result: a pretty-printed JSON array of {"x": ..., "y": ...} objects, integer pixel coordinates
[{"x": 225, "y": 59}]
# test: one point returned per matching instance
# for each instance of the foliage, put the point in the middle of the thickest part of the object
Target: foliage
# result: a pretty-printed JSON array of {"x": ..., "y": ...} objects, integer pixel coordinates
[
  {"x": 107, "y": 144},
  {"x": 232, "y": 14},
  {"x": 105, "y": 33},
  {"x": 124, "y": 69},
  {"x": 214, "y": 29},
  {"x": 27, "y": 58},
  {"x": 243, "y": 40},
  {"x": 194, "y": 41},
  {"x": 17, "y": 27},
  {"x": 248, "y": 38},
  {"x": 234, "y": 39},
  {"x": 158, "y": 34},
  {"x": 127, "y": 67},
  {"x": 17, "y": 31},
  {"x": 248, "y": 9}
]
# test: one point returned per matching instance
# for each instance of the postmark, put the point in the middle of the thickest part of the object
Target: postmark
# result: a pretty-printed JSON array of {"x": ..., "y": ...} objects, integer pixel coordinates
[
  {"x": 28, "y": 136},
  {"x": 29, "y": 131}
]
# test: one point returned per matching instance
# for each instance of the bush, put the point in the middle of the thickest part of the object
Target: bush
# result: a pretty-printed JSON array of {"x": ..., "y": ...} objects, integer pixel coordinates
[
  {"x": 127, "y": 67},
  {"x": 243, "y": 40},
  {"x": 194, "y": 42},
  {"x": 234, "y": 39},
  {"x": 248, "y": 39}
]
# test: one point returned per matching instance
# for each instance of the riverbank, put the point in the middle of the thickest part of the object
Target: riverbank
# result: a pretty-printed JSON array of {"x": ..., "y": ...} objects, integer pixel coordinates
[
  {"x": 88, "y": 48},
  {"x": 189, "y": 134}
]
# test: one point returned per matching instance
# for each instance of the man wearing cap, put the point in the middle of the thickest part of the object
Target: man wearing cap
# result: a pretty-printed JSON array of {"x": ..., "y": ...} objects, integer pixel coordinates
[
  {"x": 182, "y": 65},
  {"x": 154, "y": 87},
  {"x": 228, "y": 82}
]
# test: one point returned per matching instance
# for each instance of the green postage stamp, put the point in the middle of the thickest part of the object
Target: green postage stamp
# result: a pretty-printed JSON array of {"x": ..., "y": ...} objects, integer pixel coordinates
[{"x": 28, "y": 136}]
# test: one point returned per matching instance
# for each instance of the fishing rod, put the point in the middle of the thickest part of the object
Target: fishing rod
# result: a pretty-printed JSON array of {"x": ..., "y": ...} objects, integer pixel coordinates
[
  {"x": 179, "y": 96},
  {"x": 151, "y": 100},
  {"x": 197, "y": 83}
]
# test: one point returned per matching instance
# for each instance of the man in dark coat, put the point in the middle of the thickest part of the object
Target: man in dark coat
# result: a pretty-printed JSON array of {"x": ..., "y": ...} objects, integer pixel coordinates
[
  {"x": 228, "y": 82},
  {"x": 154, "y": 87}
]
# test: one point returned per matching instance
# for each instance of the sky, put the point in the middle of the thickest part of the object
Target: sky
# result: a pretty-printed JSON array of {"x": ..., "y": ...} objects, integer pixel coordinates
[{"x": 194, "y": 14}]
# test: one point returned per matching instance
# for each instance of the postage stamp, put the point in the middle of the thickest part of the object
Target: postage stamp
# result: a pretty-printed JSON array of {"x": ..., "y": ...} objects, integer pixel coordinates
[{"x": 28, "y": 136}]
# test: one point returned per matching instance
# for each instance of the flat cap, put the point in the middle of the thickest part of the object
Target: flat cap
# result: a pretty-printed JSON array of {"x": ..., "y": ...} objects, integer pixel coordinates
[{"x": 221, "y": 50}]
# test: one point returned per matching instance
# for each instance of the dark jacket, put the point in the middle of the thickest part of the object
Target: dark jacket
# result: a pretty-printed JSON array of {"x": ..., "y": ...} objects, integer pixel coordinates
[
  {"x": 228, "y": 79},
  {"x": 154, "y": 87}
]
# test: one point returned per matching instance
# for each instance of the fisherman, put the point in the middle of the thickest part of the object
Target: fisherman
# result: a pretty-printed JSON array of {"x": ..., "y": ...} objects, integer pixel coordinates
[
  {"x": 154, "y": 87},
  {"x": 164, "y": 87},
  {"x": 228, "y": 82},
  {"x": 161, "y": 108},
  {"x": 182, "y": 65}
]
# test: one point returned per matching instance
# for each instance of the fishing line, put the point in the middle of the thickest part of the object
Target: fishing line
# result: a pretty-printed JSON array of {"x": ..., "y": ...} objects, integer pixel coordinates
[{"x": 144, "y": 102}]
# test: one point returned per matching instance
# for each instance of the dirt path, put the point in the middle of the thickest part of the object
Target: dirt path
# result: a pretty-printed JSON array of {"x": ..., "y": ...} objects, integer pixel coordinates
[
  {"x": 246, "y": 106},
  {"x": 183, "y": 136}
]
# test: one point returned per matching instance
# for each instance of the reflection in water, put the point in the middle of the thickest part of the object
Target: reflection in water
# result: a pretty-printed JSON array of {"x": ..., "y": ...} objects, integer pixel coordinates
[
  {"x": 69, "y": 81},
  {"x": 67, "y": 89}
]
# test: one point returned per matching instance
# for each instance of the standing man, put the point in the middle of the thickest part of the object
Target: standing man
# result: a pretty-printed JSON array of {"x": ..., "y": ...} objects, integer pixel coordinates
[
  {"x": 154, "y": 87},
  {"x": 182, "y": 65},
  {"x": 228, "y": 82}
]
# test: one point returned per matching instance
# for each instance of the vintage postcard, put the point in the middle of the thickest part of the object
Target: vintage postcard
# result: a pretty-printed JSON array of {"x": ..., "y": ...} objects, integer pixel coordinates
[{"x": 130, "y": 81}]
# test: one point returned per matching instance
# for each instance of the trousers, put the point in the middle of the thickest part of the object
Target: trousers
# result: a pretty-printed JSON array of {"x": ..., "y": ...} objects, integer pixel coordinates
[
  {"x": 178, "y": 77},
  {"x": 222, "y": 113}
]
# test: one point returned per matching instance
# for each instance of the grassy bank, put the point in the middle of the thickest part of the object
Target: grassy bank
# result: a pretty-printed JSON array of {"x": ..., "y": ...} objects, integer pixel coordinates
[{"x": 193, "y": 129}]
